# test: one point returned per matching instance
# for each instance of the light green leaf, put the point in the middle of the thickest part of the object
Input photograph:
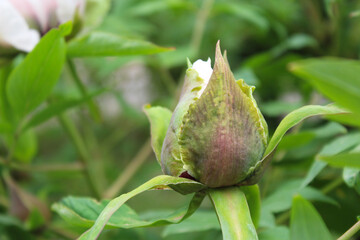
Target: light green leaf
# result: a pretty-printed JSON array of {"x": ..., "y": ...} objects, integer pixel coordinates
[
  {"x": 31, "y": 82},
  {"x": 275, "y": 233},
  {"x": 343, "y": 160},
  {"x": 338, "y": 79},
  {"x": 297, "y": 116},
  {"x": 252, "y": 194},
  {"x": 351, "y": 177},
  {"x": 57, "y": 108},
  {"x": 294, "y": 140},
  {"x": 233, "y": 213},
  {"x": 101, "y": 44},
  {"x": 26, "y": 146},
  {"x": 95, "y": 11},
  {"x": 83, "y": 212},
  {"x": 199, "y": 221},
  {"x": 159, "y": 118},
  {"x": 267, "y": 219},
  {"x": 315, "y": 169},
  {"x": 158, "y": 182},
  {"x": 351, "y": 119},
  {"x": 291, "y": 141},
  {"x": 280, "y": 199},
  {"x": 306, "y": 223},
  {"x": 247, "y": 12},
  {"x": 336, "y": 146},
  {"x": 288, "y": 122},
  {"x": 276, "y": 108},
  {"x": 314, "y": 194}
]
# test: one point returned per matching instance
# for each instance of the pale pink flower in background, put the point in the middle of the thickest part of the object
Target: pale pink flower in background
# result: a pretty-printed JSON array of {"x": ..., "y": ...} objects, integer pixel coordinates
[{"x": 23, "y": 22}]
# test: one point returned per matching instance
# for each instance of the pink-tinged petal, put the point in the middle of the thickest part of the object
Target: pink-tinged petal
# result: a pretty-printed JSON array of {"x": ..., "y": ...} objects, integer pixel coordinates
[{"x": 14, "y": 30}]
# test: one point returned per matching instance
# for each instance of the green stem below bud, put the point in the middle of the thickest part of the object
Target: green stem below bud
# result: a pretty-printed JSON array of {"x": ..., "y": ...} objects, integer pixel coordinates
[{"x": 233, "y": 213}]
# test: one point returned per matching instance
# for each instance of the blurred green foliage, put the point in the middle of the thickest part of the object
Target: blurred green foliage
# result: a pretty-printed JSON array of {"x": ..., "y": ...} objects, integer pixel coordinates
[{"x": 266, "y": 41}]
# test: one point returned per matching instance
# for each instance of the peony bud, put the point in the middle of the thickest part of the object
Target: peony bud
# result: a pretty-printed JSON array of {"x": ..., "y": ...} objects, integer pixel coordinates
[
  {"x": 216, "y": 134},
  {"x": 23, "y": 22}
]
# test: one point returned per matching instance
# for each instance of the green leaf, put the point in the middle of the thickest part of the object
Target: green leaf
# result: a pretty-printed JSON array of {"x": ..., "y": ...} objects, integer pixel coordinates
[
  {"x": 343, "y": 160},
  {"x": 275, "y": 233},
  {"x": 57, "y": 108},
  {"x": 26, "y": 146},
  {"x": 288, "y": 122},
  {"x": 267, "y": 219},
  {"x": 351, "y": 177},
  {"x": 233, "y": 213},
  {"x": 5, "y": 127},
  {"x": 159, "y": 118},
  {"x": 95, "y": 11},
  {"x": 101, "y": 44},
  {"x": 306, "y": 223},
  {"x": 338, "y": 79},
  {"x": 158, "y": 182},
  {"x": 5, "y": 110},
  {"x": 252, "y": 194},
  {"x": 336, "y": 146},
  {"x": 351, "y": 119},
  {"x": 199, "y": 221},
  {"x": 83, "y": 212},
  {"x": 276, "y": 108},
  {"x": 294, "y": 118},
  {"x": 291, "y": 141},
  {"x": 280, "y": 199},
  {"x": 31, "y": 82}
]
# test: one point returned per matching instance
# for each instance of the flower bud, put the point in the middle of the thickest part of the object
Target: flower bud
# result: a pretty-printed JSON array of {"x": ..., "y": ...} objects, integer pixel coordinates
[
  {"x": 217, "y": 133},
  {"x": 23, "y": 22}
]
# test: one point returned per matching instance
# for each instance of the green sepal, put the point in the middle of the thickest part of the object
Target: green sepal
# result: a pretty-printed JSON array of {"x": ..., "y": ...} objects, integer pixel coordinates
[{"x": 159, "y": 118}]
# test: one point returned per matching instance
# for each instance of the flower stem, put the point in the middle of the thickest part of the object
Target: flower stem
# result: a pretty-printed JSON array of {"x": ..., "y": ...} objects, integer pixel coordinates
[
  {"x": 82, "y": 151},
  {"x": 199, "y": 27},
  {"x": 92, "y": 105},
  {"x": 129, "y": 171},
  {"x": 233, "y": 213},
  {"x": 351, "y": 232}
]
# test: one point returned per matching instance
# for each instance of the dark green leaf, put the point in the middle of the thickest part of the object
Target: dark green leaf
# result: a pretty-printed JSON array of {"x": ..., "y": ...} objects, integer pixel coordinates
[{"x": 101, "y": 44}]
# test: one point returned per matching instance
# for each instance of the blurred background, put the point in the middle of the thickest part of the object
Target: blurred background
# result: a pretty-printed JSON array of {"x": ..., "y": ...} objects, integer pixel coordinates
[{"x": 261, "y": 38}]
